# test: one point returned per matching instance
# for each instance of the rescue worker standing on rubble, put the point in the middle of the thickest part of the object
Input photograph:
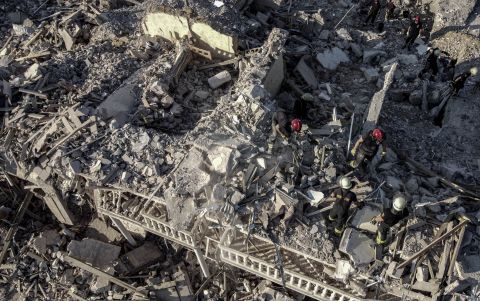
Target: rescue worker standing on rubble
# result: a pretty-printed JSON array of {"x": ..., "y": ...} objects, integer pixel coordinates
[
  {"x": 283, "y": 128},
  {"x": 390, "y": 10},
  {"x": 344, "y": 198},
  {"x": 458, "y": 82},
  {"x": 413, "y": 31},
  {"x": 373, "y": 12},
  {"x": 390, "y": 217},
  {"x": 367, "y": 147},
  {"x": 431, "y": 64}
]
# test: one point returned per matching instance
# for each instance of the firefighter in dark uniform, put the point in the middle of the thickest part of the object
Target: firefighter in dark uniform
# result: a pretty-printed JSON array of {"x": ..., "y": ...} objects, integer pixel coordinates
[
  {"x": 413, "y": 32},
  {"x": 390, "y": 217},
  {"x": 373, "y": 12},
  {"x": 344, "y": 198},
  {"x": 367, "y": 146},
  {"x": 431, "y": 64},
  {"x": 458, "y": 82}
]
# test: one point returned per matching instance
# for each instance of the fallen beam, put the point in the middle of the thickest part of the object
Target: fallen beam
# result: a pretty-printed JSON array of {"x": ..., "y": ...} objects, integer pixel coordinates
[
  {"x": 77, "y": 263},
  {"x": 432, "y": 244},
  {"x": 13, "y": 229}
]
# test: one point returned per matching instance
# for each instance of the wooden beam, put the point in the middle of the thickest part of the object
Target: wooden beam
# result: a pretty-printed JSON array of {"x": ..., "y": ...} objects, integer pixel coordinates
[
  {"x": 444, "y": 259},
  {"x": 432, "y": 244},
  {"x": 16, "y": 221},
  {"x": 456, "y": 251},
  {"x": 77, "y": 263}
]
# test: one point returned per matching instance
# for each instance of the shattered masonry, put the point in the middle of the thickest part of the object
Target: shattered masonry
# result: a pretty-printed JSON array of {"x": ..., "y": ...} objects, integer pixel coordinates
[{"x": 136, "y": 157}]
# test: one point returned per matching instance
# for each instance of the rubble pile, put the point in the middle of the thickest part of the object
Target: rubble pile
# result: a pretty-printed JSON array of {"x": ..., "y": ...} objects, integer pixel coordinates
[{"x": 144, "y": 154}]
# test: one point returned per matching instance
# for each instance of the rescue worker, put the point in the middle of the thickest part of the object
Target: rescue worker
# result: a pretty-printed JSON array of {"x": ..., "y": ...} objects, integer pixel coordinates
[
  {"x": 459, "y": 81},
  {"x": 390, "y": 217},
  {"x": 413, "y": 31},
  {"x": 367, "y": 146},
  {"x": 451, "y": 69},
  {"x": 431, "y": 64},
  {"x": 344, "y": 197},
  {"x": 281, "y": 127},
  {"x": 373, "y": 12},
  {"x": 390, "y": 10}
]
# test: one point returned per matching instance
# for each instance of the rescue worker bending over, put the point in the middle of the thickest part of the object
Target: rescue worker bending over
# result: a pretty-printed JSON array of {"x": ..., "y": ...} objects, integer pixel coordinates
[
  {"x": 390, "y": 217},
  {"x": 459, "y": 81},
  {"x": 344, "y": 197},
  {"x": 282, "y": 128},
  {"x": 367, "y": 146}
]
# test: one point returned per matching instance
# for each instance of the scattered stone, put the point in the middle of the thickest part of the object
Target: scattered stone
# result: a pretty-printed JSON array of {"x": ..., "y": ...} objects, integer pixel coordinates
[
  {"x": 331, "y": 58},
  {"x": 219, "y": 79}
]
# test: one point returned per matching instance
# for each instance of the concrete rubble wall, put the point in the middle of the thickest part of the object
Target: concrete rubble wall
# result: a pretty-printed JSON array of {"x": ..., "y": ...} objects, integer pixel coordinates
[{"x": 172, "y": 28}]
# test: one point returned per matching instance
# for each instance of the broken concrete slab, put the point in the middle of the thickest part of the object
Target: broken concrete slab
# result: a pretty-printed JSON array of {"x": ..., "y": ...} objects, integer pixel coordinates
[
  {"x": 358, "y": 246},
  {"x": 331, "y": 58},
  {"x": 100, "y": 230},
  {"x": 139, "y": 258},
  {"x": 94, "y": 252},
  {"x": 119, "y": 104},
  {"x": 307, "y": 73},
  {"x": 363, "y": 217},
  {"x": 219, "y": 79}
]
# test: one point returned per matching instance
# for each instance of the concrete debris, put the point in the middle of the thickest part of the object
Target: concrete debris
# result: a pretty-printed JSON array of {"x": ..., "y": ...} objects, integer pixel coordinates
[{"x": 149, "y": 150}]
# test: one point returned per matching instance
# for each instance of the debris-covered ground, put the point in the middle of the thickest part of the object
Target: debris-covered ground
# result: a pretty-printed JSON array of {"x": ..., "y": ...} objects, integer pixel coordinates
[{"x": 138, "y": 161}]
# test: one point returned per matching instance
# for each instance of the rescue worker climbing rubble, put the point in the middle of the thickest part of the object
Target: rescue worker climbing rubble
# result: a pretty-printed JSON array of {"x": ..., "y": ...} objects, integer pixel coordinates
[
  {"x": 431, "y": 62},
  {"x": 367, "y": 146},
  {"x": 390, "y": 217},
  {"x": 373, "y": 12},
  {"x": 413, "y": 32},
  {"x": 458, "y": 82},
  {"x": 344, "y": 198},
  {"x": 282, "y": 128}
]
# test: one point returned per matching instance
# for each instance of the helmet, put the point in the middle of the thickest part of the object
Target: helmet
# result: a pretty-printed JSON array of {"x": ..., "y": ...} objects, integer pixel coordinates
[
  {"x": 474, "y": 71},
  {"x": 296, "y": 125},
  {"x": 345, "y": 182},
  {"x": 437, "y": 51},
  {"x": 417, "y": 19},
  {"x": 399, "y": 203},
  {"x": 377, "y": 134}
]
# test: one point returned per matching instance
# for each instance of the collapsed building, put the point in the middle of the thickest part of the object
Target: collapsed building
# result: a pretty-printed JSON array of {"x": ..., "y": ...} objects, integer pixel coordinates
[{"x": 154, "y": 117}]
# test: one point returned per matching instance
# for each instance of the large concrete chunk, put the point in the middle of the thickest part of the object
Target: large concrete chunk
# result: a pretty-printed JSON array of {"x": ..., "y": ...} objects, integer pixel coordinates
[
  {"x": 331, "y": 58},
  {"x": 358, "y": 246},
  {"x": 119, "y": 104},
  {"x": 362, "y": 219},
  {"x": 94, "y": 252},
  {"x": 139, "y": 258},
  {"x": 219, "y": 79}
]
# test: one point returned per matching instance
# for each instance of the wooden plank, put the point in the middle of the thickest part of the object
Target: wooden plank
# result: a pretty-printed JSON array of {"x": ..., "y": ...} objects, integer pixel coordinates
[
  {"x": 74, "y": 118},
  {"x": 16, "y": 221},
  {"x": 34, "y": 93},
  {"x": 432, "y": 244},
  {"x": 77, "y": 263},
  {"x": 442, "y": 265},
  {"x": 456, "y": 251},
  {"x": 66, "y": 124}
]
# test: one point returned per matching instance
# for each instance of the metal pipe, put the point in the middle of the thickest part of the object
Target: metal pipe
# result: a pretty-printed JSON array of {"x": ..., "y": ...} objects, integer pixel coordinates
[{"x": 350, "y": 134}]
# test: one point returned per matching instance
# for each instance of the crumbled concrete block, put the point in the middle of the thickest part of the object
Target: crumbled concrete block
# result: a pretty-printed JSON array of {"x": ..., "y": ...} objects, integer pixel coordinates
[
  {"x": 371, "y": 74},
  {"x": 370, "y": 55},
  {"x": 167, "y": 101},
  {"x": 118, "y": 105},
  {"x": 219, "y": 193},
  {"x": 33, "y": 71},
  {"x": 356, "y": 49},
  {"x": 100, "y": 230},
  {"x": 307, "y": 73},
  {"x": 237, "y": 197},
  {"x": 412, "y": 185},
  {"x": 159, "y": 88},
  {"x": 202, "y": 94},
  {"x": 331, "y": 58},
  {"x": 343, "y": 270},
  {"x": 315, "y": 197},
  {"x": 422, "y": 273},
  {"x": 324, "y": 34},
  {"x": 407, "y": 59},
  {"x": 139, "y": 258},
  {"x": 75, "y": 166},
  {"x": 362, "y": 219},
  {"x": 358, "y": 246},
  {"x": 219, "y": 79},
  {"x": 94, "y": 252}
]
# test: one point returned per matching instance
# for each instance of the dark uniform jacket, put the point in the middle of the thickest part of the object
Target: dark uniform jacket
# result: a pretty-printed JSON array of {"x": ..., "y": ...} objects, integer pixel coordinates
[
  {"x": 280, "y": 118},
  {"x": 414, "y": 29},
  {"x": 344, "y": 199},
  {"x": 392, "y": 219},
  {"x": 370, "y": 146}
]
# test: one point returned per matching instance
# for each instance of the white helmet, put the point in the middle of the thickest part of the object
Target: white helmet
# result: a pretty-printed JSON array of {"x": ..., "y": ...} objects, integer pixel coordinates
[
  {"x": 399, "y": 203},
  {"x": 345, "y": 182},
  {"x": 474, "y": 71}
]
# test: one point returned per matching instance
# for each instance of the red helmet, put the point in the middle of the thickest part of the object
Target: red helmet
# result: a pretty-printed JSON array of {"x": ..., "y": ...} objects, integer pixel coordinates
[
  {"x": 417, "y": 19},
  {"x": 296, "y": 125},
  {"x": 377, "y": 134}
]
